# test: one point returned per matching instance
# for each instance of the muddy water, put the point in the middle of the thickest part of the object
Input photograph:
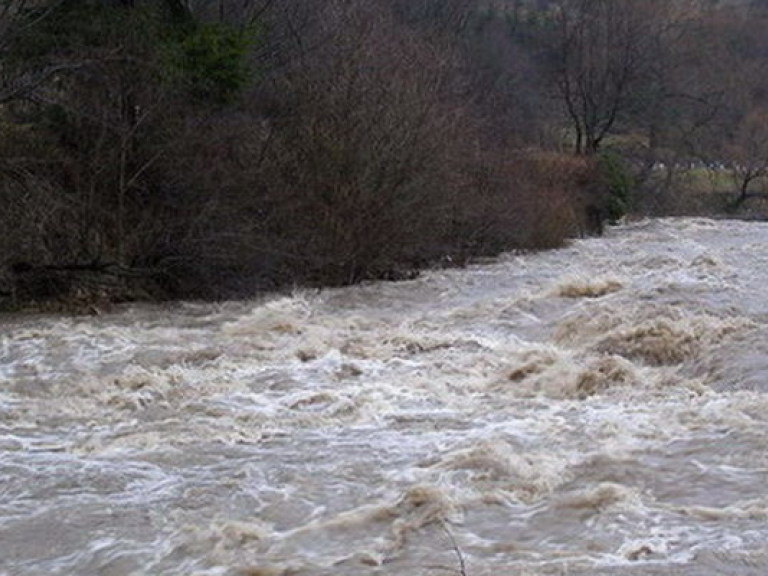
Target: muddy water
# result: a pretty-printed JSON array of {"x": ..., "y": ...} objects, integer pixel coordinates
[{"x": 600, "y": 409}]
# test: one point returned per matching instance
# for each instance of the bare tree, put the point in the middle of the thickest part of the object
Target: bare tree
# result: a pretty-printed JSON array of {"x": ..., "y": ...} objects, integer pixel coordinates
[
  {"x": 747, "y": 154},
  {"x": 359, "y": 174},
  {"x": 726, "y": 125},
  {"x": 18, "y": 18},
  {"x": 604, "y": 52}
]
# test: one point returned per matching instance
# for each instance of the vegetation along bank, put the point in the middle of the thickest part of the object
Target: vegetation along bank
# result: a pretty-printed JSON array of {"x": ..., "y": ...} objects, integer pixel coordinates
[{"x": 156, "y": 149}]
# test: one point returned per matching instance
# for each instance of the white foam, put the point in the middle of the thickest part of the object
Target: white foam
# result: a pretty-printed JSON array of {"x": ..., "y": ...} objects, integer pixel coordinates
[{"x": 339, "y": 431}]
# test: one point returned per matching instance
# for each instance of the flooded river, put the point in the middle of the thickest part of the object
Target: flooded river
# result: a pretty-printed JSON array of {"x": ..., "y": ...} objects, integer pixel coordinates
[{"x": 596, "y": 410}]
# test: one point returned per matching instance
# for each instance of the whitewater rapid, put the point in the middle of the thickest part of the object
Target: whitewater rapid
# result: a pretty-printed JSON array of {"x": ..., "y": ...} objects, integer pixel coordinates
[{"x": 599, "y": 409}]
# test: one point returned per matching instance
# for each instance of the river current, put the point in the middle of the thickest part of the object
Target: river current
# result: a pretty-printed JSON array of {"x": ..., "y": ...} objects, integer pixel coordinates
[{"x": 596, "y": 410}]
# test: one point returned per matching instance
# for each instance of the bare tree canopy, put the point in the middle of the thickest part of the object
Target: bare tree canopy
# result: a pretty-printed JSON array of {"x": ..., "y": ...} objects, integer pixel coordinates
[{"x": 162, "y": 148}]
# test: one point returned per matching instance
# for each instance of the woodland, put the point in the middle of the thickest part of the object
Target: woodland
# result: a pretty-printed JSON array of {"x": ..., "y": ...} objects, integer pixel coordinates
[{"x": 165, "y": 149}]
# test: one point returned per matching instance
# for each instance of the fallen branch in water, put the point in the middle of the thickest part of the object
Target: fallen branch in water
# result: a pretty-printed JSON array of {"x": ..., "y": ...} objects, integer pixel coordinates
[
  {"x": 462, "y": 569},
  {"x": 462, "y": 564}
]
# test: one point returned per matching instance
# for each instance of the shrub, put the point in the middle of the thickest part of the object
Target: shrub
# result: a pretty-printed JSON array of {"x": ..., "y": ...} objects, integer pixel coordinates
[
  {"x": 619, "y": 184},
  {"x": 210, "y": 60}
]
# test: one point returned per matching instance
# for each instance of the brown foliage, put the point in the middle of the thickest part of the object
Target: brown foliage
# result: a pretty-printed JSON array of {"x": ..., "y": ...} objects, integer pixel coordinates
[
  {"x": 362, "y": 153},
  {"x": 357, "y": 177},
  {"x": 567, "y": 197}
]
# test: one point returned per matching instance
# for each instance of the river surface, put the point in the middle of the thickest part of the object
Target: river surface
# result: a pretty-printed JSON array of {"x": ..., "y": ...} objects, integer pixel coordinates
[{"x": 595, "y": 410}]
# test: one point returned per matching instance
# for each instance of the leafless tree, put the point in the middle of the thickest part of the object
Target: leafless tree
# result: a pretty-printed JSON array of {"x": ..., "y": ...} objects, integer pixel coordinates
[{"x": 604, "y": 52}]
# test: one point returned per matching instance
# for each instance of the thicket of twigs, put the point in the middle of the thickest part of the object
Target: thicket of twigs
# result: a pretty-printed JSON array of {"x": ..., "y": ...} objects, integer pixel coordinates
[{"x": 161, "y": 149}]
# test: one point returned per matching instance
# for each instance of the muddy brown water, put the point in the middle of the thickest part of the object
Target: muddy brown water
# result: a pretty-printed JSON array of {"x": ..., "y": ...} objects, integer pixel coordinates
[{"x": 599, "y": 409}]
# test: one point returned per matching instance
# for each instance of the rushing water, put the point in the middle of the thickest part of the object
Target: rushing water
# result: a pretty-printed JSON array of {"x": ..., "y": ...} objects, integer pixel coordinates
[{"x": 599, "y": 409}]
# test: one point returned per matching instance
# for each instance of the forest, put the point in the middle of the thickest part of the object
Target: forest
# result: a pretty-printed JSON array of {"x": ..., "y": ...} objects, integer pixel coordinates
[{"x": 163, "y": 149}]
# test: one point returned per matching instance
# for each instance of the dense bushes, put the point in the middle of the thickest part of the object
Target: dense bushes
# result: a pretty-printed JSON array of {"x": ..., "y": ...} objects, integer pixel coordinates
[{"x": 159, "y": 152}]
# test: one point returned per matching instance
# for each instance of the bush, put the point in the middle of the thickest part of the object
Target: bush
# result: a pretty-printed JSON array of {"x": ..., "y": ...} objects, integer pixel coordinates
[
  {"x": 619, "y": 185},
  {"x": 357, "y": 178},
  {"x": 210, "y": 60},
  {"x": 154, "y": 167}
]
